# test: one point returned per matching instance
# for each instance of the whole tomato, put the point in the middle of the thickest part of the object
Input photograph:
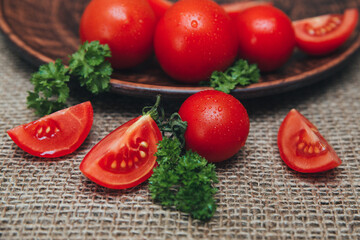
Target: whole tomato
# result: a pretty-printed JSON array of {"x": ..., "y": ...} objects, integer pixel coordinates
[
  {"x": 218, "y": 124},
  {"x": 266, "y": 37},
  {"x": 127, "y": 26},
  {"x": 193, "y": 39}
]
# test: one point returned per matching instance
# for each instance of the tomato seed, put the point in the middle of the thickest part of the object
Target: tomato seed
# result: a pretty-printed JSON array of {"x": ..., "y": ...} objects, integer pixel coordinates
[
  {"x": 113, "y": 165},
  {"x": 311, "y": 149},
  {"x": 144, "y": 144},
  {"x": 123, "y": 164},
  {"x": 142, "y": 154},
  {"x": 301, "y": 146},
  {"x": 130, "y": 163}
]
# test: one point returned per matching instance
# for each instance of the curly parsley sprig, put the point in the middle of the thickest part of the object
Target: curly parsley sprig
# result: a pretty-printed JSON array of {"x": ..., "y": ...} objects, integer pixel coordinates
[
  {"x": 240, "y": 74},
  {"x": 183, "y": 180},
  {"x": 88, "y": 65}
]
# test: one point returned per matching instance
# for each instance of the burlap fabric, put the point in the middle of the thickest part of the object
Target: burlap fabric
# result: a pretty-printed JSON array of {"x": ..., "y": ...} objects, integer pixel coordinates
[{"x": 259, "y": 196}]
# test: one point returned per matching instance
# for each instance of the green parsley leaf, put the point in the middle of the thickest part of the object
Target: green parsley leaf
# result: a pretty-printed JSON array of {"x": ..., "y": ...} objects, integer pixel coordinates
[
  {"x": 183, "y": 181},
  {"x": 241, "y": 73},
  {"x": 50, "y": 88},
  {"x": 88, "y": 65}
]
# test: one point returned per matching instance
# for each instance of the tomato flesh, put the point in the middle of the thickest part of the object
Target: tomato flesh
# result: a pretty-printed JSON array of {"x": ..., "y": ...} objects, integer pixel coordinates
[
  {"x": 302, "y": 147},
  {"x": 125, "y": 157},
  {"x": 324, "y": 34},
  {"x": 57, "y": 134}
]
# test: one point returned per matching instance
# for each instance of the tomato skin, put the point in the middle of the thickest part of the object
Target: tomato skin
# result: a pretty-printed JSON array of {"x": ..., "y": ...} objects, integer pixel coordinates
[
  {"x": 117, "y": 162},
  {"x": 127, "y": 26},
  {"x": 161, "y": 6},
  {"x": 295, "y": 138},
  {"x": 266, "y": 37},
  {"x": 193, "y": 39},
  {"x": 234, "y": 8},
  {"x": 329, "y": 41},
  {"x": 218, "y": 124},
  {"x": 67, "y": 130}
]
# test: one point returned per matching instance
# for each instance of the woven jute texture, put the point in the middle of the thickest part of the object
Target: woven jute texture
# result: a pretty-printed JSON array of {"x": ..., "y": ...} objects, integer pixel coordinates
[{"x": 259, "y": 197}]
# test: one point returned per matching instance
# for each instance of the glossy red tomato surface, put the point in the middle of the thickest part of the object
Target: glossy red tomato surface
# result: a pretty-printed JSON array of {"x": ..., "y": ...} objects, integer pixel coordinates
[
  {"x": 57, "y": 134},
  {"x": 218, "y": 124},
  {"x": 160, "y": 6},
  {"x": 302, "y": 147},
  {"x": 266, "y": 37},
  {"x": 324, "y": 34},
  {"x": 127, "y": 26},
  {"x": 193, "y": 39},
  {"x": 125, "y": 157},
  {"x": 234, "y": 8}
]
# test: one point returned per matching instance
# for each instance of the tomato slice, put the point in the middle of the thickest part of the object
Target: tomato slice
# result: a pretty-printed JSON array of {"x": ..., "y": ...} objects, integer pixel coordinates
[
  {"x": 160, "y": 6},
  {"x": 57, "y": 134},
  {"x": 125, "y": 157},
  {"x": 324, "y": 34},
  {"x": 302, "y": 147}
]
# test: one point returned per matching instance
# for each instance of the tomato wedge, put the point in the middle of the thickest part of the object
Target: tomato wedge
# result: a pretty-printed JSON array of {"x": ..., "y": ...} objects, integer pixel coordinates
[
  {"x": 324, "y": 34},
  {"x": 57, "y": 134},
  {"x": 160, "y": 6},
  {"x": 125, "y": 157},
  {"x": 302, "y": 147}
]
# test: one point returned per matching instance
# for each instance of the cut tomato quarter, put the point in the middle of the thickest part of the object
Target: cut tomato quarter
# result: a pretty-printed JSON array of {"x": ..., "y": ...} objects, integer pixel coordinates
[
  {"x": 125, "y": 157},
  {"x": 57, "y": 134},
  {"x": 302, "y": 147},
  {"x": 324, "y": 34}
]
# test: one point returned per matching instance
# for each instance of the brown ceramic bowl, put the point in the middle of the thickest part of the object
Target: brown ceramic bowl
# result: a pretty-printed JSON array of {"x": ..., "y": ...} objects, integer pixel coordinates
[{"x": 44, "y": 30}]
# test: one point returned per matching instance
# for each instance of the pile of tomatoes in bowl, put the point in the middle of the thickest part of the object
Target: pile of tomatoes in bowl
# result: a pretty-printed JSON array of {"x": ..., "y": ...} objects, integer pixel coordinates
[{"x": 191, "y": 39}]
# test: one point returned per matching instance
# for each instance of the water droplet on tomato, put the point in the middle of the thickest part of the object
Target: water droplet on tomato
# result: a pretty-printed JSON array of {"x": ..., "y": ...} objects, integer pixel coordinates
[{"x": 194, "y": 23}]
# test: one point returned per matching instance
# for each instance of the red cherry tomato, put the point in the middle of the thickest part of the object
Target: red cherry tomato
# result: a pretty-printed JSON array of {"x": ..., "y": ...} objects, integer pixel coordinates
[
  {"x": 160, "y": 6},
  {"x": 127, "y": 26},
  {"x": 266, "y": 37},
  {"x": 324, "y": 34},
  {"x": 218, "y": 124},
  {"x": 125, "y": 157},
  {"x": 302, "y": 147},
  {"x": 57, "y": 134},
  {"x": 193, "y": 39}
]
